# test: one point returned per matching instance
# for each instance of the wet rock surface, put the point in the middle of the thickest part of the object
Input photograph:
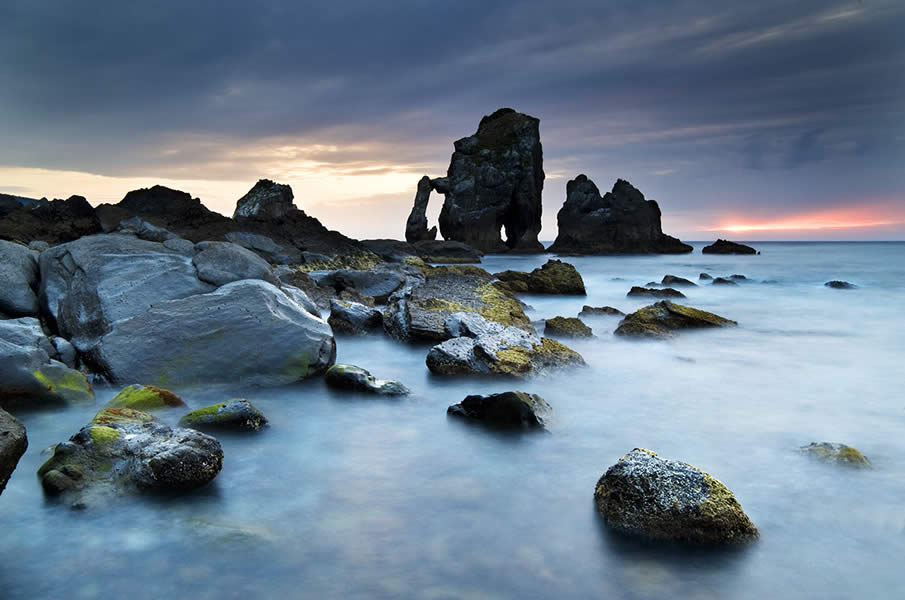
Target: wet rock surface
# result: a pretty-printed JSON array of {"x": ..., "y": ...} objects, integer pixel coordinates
[
  {"x": 237, "y": 414},
  {"x": 567, "y": 327},
  {"x": 672, "y": 280},
  {"x": 13, "y": 443},
  {"x": 591, "y": 311},
  {"x": 505, "y": 410},
  {"x": 553, "y": 277},
  {"x": 665, "y": 319},
  {"x": 353, "y": 318},
  {"x": 356, "y": 379},
  {"x": 145, "y": 398},
  {"x": 836, "y": 453}
]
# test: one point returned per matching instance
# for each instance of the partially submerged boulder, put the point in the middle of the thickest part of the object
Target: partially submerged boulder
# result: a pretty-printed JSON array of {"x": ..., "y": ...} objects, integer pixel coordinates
[
  {"x": 121, "y": 457},
  {"x": 554, "y": 277},
  {"x": 356, "y": 379},
  {"x": 237, "y": 414},
  {"x": 18, "y": 280},
  {"x": 505, "y": 410},
  {"x": 649, "y": 496},
  {"x": 145, "y": 398},
  {"x": 567, "y": 327},
  {"x": 353, "y": 318},
  {"x": 672, "y": 280},
  {"x": 705, "y": 276},
  {"x": 13, "y": 443},
  {"x": 638, "y": 291},
  {"x": 664, "y": 319},
  {"x": 840, "y": 285},
  {"x": 592, "y": 311},
  {"x": 837, "y": 453},
  {"x": 722, "y": 281},
  {"x": 620, "y": 222},
  {"x": 727, "y": 247}
]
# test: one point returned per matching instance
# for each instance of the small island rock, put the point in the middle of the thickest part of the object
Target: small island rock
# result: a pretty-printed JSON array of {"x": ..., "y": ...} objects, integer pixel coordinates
[{"x": 505, "y": 410}]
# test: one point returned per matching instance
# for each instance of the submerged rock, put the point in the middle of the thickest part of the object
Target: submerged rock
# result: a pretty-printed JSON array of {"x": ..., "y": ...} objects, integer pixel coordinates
[
  {"x": 554, "y": 277},
  {"x": 508, "y": 410},
  {"x": 840, "y": 285},
  {"x": 590, "y": 311},
  {"x": 567, "y": 327},
  {"x": 727, "y": 247},
  {"x": 121, "y": 457},
  {"x": 416, "y": 227},
  {"x": 145, "y": 398},
  {"x": 237, "y": 414},
  {"x": 837, "y": 453},
  {"x": 350, "y": 377},
  {"x": 664, "y": 319},
  {"x": 13, "y": 443},
  {"x": 705, "y": 276},
  {"x": 494, "y": 181},
  {"x": 620, "y": 222},
  {"x": 678, "y": 281},
  {"x": 654, "y": 292},
  {"x": 723, "y": 281},
  {"x": 649, "y": 496},
  {"x": 18, "y": 280},
  {"x": 353, "y": 318}
]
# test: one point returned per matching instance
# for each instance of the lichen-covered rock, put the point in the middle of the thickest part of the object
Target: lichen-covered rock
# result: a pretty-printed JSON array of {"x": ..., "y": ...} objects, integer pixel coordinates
[
  {"x": 416, "y": 227},
  {"x": 840, "y": 285},
  {"x": 146, "y": 398},
  {"x": 13, "y": 443},
  {"x": 266, "y": 201},
  {"x": 620, "y": 222},
  {"x": 18, "y": 280},
  {"x": 727, "y": 247},
  {"x": 123, "y": 416},
  {"x": 236, "y": 414},
  {"x": 219, "y": 263},
  {"x": 419, "y": 312},
  {"x": 493, "y": 349},
  {"x": 244, "y": 331},
  {"x": 494, "y": 181},
  {"x": 505, "y": 410},
  {"x": 353, "y": 318},
  {"x": 654, "y": 292},
  {"x": 649, "y": 496},
  {"x": 567, "y": 327},
  {"x": 672, "y": 280},
  {"x": 722, "y": 281},
  {"x": 591, "y": 311},
  {"x": 664, "y": 319},
  {"x": 837, "y": 453},
  {"x": 350, "y": 377},
  {"x": 104, "y": 460},
  {"x": 554, "y": 277}
]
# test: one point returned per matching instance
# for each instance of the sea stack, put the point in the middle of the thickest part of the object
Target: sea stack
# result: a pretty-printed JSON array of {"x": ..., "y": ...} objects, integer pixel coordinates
[
  {"x": 620, "y": 222},
  {"x": 494, "y": 182}
]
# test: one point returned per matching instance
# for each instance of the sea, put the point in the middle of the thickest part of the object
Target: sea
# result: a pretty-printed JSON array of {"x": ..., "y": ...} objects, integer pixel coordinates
[{"x": 354, "y": 496}]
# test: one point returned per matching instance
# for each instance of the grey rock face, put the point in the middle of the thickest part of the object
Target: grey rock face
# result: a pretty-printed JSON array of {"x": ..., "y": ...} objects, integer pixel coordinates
[
  {"x": 13, "y": 443},
  {"x": 354, "y": 318},
  {"x": 302, "y": 299},
  {"x": 416, "y": 227},
  {"x": 620, "y": 222},
  {"x": 237, "y": 414},
  {"x": 379, "y": 282},
  {"x": 266, "y": 248},
  {"x": 505, "y": 410},
  {"x": 439, "y": 251},
  {"x": 144, "y": 230},
  {"x": 89, "y": 284},
  {"x": 494, "y": 181},
  {"x": 18, "y": 280},
  {"x": 104, "y": 461},
  {"x": 672, "y": 280},
  {"x": 266, "y": 201},
  {"x": 653, "y": 497},
  {"x": 722, "y": 281},
  {"x": 219, "y": 263},
  {"x": 244, "y": 331},
  {"x": 350, "y": 377}
]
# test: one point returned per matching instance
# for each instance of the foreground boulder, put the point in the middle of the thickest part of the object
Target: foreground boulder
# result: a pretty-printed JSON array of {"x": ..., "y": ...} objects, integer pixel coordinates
[
  {"x": 419, "y": 312},
  {"x": 13, "y": 443},
  {"x": 637, "y": 291},
  {"x": 664, "y": 319},
  {"x": 488, "y": 348},
  {"x": 505, "y": 410},
  {"x": 237, "y": 414},
  {"x": 416, "y": 227},
  {"x": 244, "y": 331},
  {"x": 356, "y": 379},
  {"x": 837, "y": 453},
  {"x": 18, "y": 280},
  {"x": 727, "y": 247},
  {"x": 54, "y": 222},
  {"x": 620, "y": 222},
  {"x": 494, "y": 181},
  {"x": 652, "y": 497},
  {"x": 353, "y": 318},
  {"x": 120, "y": 457},
  {"x": 219, "y": 263},
  {"x": 840, "y": 285},
  {"x": 567, "y": 327},
  {"x": 145, "y": 398}
]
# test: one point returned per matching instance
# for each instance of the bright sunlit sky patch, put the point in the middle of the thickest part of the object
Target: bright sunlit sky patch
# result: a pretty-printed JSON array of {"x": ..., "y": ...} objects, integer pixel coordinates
[{"x": 779, "y": 120}]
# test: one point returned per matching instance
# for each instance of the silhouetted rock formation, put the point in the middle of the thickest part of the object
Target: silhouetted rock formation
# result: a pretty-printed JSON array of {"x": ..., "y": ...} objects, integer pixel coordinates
[
  {"x": 53, "y": 222},
  {"x": 620, "y": 222},
  {"x": 416, "y": 227},
  {"x": 727, "y": 247},
  {"x": 494, "y": 181},
  {"x": 266, "y": 201}
]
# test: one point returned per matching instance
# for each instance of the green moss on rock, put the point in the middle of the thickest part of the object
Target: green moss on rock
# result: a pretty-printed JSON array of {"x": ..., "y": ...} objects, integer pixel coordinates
[
  {"x": 64, "y": 383},
  {"x": 837, "y": 453},
  {"x": 122, "y": 416},
  {"x": 237, "y": 413},
  {"x": 145, "y": 397},
  {"x": 567, "y": 327}
]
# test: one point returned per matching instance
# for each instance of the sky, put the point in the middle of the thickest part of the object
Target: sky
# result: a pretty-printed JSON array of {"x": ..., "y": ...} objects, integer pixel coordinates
[{"x": 749, "y": 120}]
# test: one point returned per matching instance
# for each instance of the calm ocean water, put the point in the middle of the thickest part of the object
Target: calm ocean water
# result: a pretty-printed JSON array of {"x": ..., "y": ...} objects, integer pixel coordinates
[{"x": 348, "y": 496}]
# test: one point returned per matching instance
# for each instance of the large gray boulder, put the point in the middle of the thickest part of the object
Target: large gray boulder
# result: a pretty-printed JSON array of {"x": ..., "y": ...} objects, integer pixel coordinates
[
  {"x": 378, "y": 282},
  {"x": 266, "y": 201},
  {"x": 494, "y": 181},
  {"x": 266, "y": 247},
  {"x": 219, "y": 263},
  {"x": 416, "y": 227},
  {"x": 354, "y": 318},
  {"x": 649, "y": 496},
  {"x": 18, "y": 280},
  {"x": 13, "y": 443},
  {"x": 246, "y": 331},
  {"x": 91, "y": 283}
]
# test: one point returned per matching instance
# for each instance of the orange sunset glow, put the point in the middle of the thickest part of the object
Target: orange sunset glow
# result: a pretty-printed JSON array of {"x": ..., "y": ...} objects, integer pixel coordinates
[{"x": 860, "y": 217}]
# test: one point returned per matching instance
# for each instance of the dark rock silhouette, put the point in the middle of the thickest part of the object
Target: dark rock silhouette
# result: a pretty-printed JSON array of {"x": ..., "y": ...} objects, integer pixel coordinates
[
  {"x": 416, "y": 227},
  {"x": 54, "y": 222},
  {"x": 266, "y": 201},
  {"x": 727, "y": 247},
  {"x": 494, "y": 182},
  {"x": 620, "y": 222}
]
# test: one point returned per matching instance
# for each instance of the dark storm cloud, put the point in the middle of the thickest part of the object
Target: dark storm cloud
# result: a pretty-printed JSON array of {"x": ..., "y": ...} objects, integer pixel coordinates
[{"x": 668, "y": 88}]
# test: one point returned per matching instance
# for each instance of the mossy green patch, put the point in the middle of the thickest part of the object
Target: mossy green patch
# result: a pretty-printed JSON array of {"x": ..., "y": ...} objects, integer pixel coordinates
[
  {"x": 567, "y": 327},
  {"x": 102, "y": 434},
  {"x": 122, "y": 416},
  {"x": 360, "y": 262},
  {"x": 145, "y": 398},
  {"x": 64, "y": 383}
]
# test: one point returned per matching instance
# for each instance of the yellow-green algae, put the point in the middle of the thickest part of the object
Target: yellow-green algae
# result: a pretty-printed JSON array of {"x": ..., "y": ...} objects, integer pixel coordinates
[
  {"x": 518, "y": 360},
  {"x": 102, "y": 434},
  {"x": 145, "y": 397},
  {"x": 122, "y": 416},
  {"x": 63, "y": 382},
  {"x": 361, "y": 262}
]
